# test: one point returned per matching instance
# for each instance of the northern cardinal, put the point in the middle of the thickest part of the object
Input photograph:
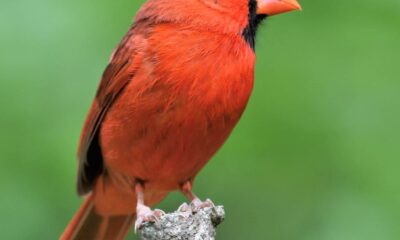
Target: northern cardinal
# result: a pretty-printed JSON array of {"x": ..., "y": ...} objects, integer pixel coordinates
[{"x": 173, "y": 91}]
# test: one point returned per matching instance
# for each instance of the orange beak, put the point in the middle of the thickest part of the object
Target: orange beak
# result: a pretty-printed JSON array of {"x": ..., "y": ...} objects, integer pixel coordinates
[{"x": 273, "y": 7}]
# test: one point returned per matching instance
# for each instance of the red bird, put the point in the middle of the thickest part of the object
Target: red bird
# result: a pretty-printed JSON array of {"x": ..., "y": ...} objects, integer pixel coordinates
[{"x": 174, "y": 89}]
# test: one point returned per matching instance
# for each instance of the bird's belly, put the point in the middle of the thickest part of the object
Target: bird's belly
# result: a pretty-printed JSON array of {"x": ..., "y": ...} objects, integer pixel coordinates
[
  {"x": 167, "y": 124},
  {"x": 165, "y": 148}
]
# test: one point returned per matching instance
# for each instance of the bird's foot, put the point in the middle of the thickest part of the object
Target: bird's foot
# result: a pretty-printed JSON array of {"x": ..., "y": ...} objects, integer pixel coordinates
[
  {"x": 145, "y": 214},
  {"x": 184, "y": 207},
  {"x": 185, "y": 210},
  {"x": 195, "y": 205}
]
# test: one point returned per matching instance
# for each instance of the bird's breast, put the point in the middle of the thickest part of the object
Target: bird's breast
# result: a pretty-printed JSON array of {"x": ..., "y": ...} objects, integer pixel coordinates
[{"x": 179, "y": 108}]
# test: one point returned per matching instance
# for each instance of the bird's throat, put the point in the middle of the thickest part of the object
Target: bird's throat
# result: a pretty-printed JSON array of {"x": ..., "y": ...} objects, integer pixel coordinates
[{"x": 249, "y": 33}]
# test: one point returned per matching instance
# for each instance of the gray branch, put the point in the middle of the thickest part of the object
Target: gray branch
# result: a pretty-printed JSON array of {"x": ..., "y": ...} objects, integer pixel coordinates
[{"x": 191, "y": 224}]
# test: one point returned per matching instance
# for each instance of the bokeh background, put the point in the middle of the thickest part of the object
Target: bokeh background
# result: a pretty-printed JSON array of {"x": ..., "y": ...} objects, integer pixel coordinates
[{"x": 315, "y": 157}]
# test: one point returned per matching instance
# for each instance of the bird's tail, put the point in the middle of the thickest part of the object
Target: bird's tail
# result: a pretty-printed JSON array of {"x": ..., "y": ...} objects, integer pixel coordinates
[{"x": 88, "y": 225}]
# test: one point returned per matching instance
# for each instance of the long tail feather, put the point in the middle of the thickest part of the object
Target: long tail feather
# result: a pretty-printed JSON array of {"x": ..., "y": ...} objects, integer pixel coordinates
[{"x": 88, "y": 225}]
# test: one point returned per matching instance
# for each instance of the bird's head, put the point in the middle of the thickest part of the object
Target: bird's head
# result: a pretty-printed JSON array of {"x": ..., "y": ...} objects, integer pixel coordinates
[{"x": 238, "y": 16}]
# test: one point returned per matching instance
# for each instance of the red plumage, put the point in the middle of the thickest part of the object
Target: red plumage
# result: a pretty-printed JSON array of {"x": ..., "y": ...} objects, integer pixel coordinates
[{"x": 174, "y": 89}]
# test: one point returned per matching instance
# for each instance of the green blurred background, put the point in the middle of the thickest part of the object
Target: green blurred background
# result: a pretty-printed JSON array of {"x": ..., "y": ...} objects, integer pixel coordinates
[{"x": 315, "y": 157}]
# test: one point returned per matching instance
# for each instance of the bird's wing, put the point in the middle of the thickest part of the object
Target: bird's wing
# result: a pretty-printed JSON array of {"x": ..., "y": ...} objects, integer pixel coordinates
[{"x": 122, "y": 67}]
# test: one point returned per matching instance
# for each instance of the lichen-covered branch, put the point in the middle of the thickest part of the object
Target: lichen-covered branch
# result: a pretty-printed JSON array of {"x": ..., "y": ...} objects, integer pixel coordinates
[{"x": 191, "y": 224}]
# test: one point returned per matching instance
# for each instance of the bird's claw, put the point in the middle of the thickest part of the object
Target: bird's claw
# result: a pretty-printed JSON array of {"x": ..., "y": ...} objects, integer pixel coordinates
[
  {"x": 197, "y": 204},
  {"x": 145, "y": 214},
  {"x": 184, "y": 207},
  {"x": 185, "y": 210}
]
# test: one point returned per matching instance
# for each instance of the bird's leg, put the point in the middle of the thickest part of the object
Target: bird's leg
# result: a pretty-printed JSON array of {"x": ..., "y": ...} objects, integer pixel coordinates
[
  {"x": 196, "y": 203},
  {"x": 143, "y": 212}
]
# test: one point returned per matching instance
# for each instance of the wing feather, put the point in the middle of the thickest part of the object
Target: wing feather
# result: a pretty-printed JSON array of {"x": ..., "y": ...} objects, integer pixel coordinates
[{"x": 119, "y": 72}]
